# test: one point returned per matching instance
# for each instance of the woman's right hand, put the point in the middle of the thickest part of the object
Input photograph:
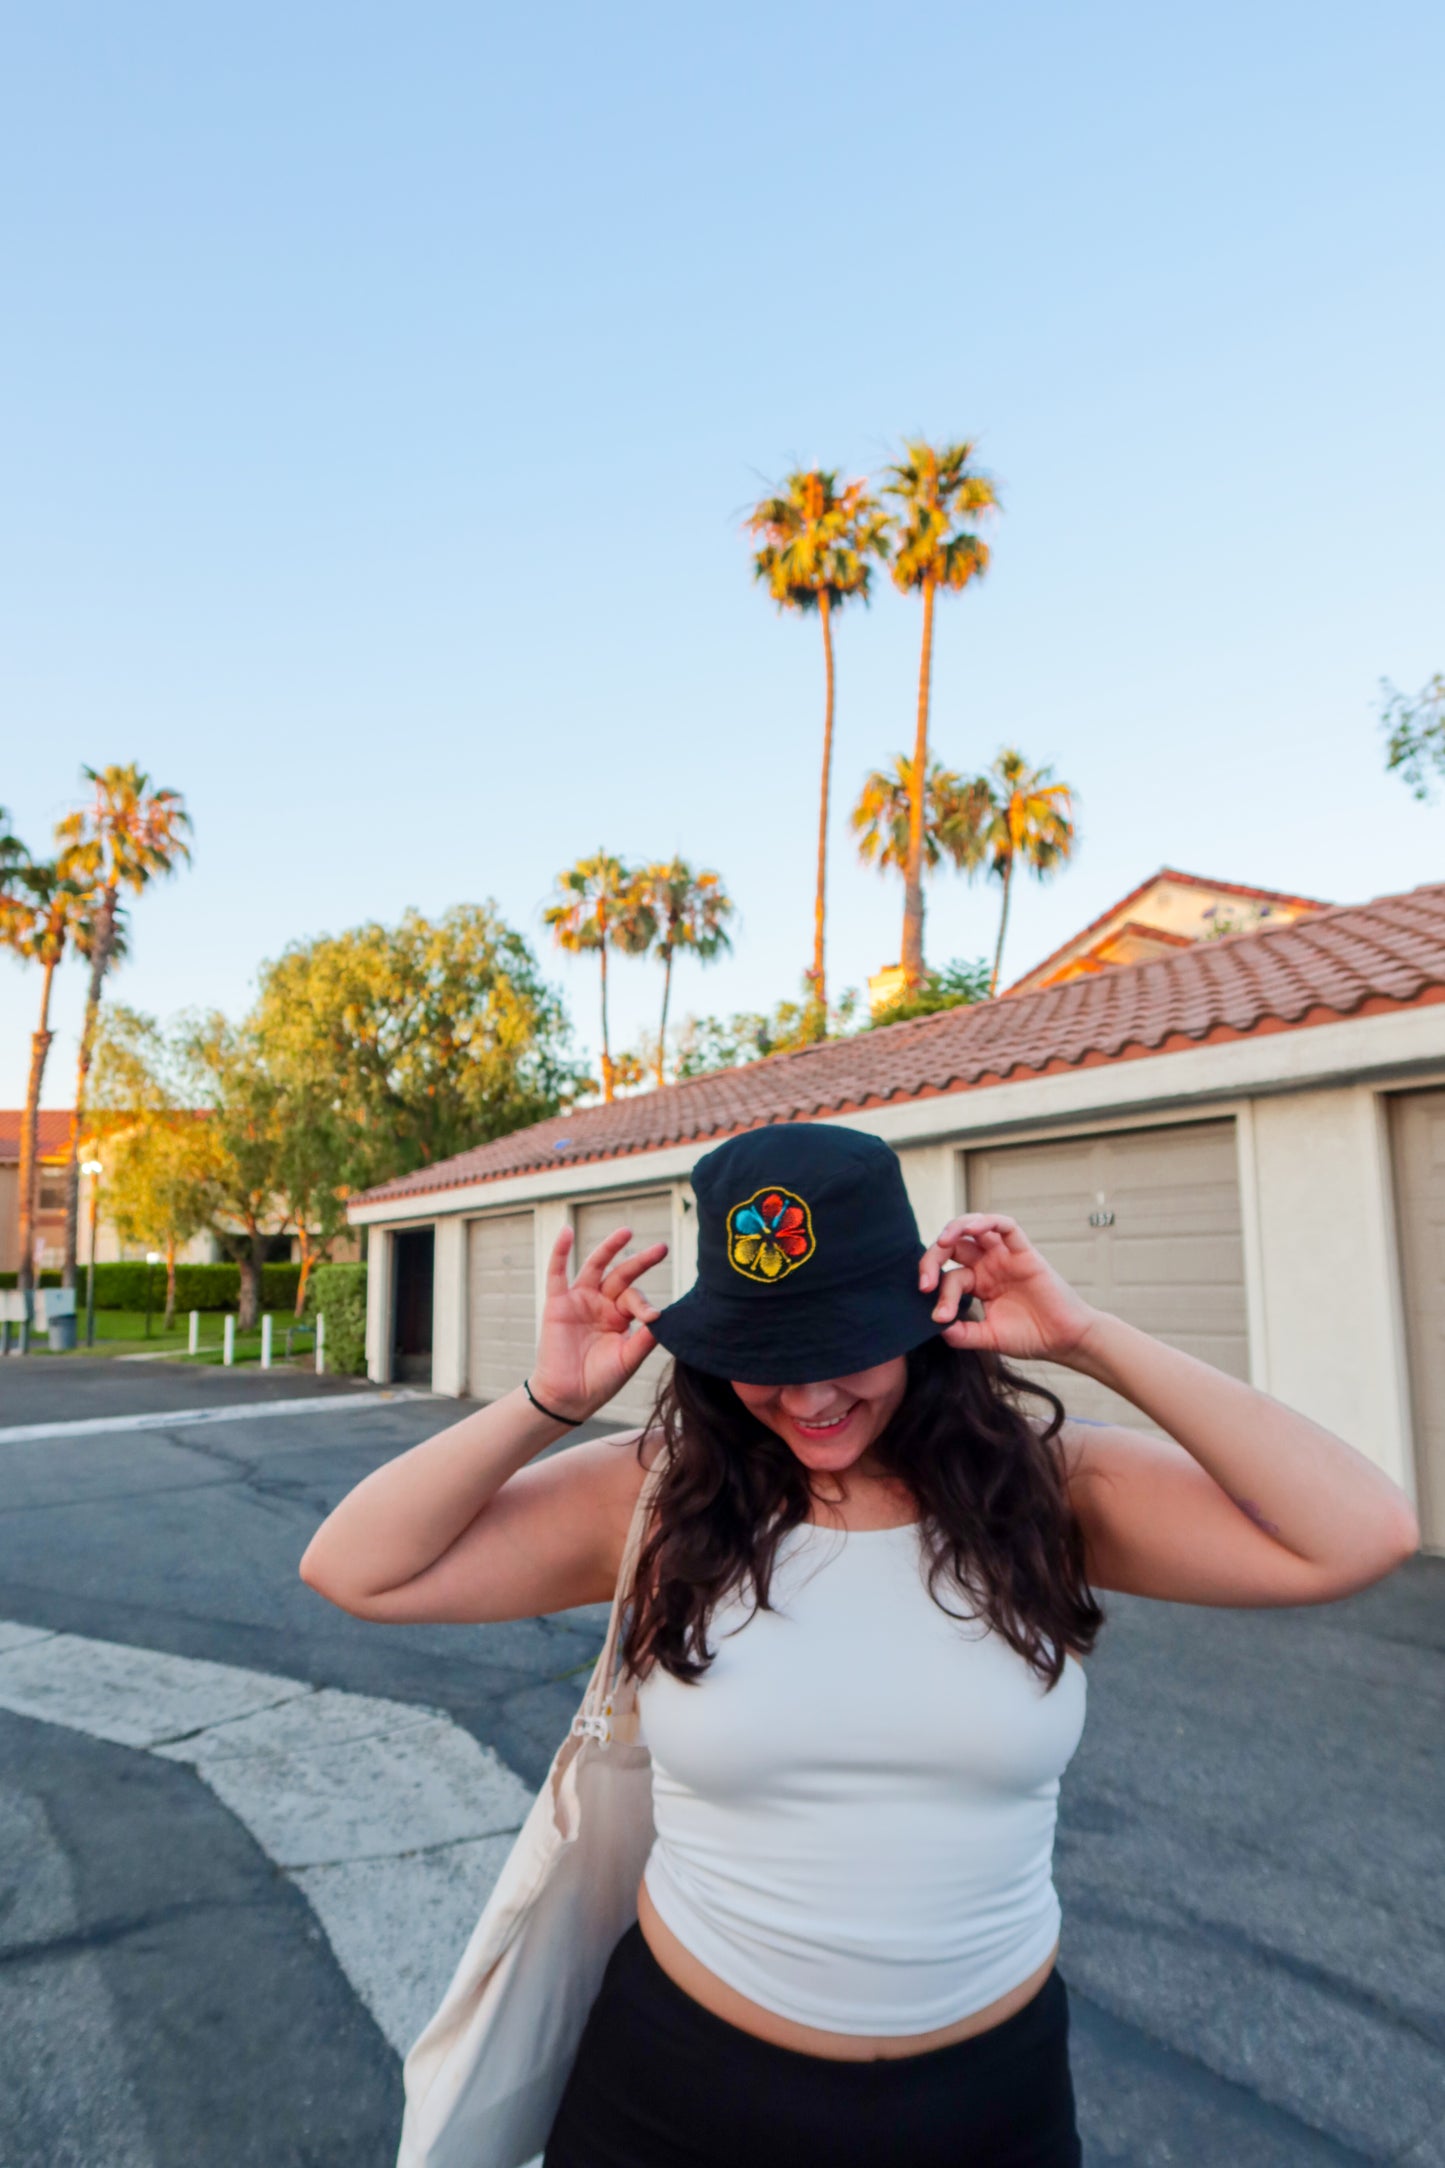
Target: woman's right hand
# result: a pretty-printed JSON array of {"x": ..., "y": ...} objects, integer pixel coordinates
[{"x": 594, "y": 1334}]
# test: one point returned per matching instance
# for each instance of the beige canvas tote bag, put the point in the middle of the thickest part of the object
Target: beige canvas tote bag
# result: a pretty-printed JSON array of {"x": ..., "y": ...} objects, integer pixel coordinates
[{"x": 483, "y": 2082}]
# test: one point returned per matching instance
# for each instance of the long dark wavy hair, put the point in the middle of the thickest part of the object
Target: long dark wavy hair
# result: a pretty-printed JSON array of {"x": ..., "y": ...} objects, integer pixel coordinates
[{"x": 990, "y": 1486}]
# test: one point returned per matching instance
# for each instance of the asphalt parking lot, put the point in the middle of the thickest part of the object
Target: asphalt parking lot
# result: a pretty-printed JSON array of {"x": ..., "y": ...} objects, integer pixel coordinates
[{"x": 1251, "y": 1856}]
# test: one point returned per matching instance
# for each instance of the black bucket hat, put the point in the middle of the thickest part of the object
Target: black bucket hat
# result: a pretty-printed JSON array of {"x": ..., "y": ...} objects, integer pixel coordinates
[{"x": 807, "y": 1259}]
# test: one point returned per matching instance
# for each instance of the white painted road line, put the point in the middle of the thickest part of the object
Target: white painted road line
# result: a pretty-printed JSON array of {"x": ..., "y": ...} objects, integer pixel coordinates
[
  {"x": 391, "y": 1820},
  {"x": 249, "y": 1411}
]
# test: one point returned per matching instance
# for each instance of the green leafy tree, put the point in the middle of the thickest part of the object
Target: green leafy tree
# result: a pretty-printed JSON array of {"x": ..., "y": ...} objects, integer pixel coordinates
[
  {"x": 1030, "y": 822},
  {"x": 160, "y": 1157},
  {"x": 128, "y": 835},
  {"x": 225, "y": 1078},
  {"x": 706, "y": 1044},
  {"x": 691, "y": 911},
  {"x": 958, "y": 985},
  {"x": 940, "y": 497},
  {"x": 954, "y": 809},
  {"x": 818, "y": 543},
  {"x": 396, "y": 1046},
  {"x": 600, "y": 904},
  {"x": 1414, "y": 726},
  {"x": 44, "y": 909}
]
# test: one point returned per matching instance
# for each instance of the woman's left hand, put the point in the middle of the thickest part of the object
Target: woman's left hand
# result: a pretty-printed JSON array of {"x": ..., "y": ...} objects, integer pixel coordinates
[{"x": 1028, "y": 1311}]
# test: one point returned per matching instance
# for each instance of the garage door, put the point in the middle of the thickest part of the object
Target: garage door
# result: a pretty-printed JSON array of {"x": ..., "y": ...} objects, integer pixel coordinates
[
  {"x": 650, "y": 1218},
  {"x": 1418, "y": 1122},
  {"x": 1144, "y": 1223},
  {"x": 501, "y": 1303}
]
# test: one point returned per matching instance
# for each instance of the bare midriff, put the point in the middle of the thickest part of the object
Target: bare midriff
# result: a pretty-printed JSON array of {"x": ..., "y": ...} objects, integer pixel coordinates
[{"x": 704, "y": 1987}]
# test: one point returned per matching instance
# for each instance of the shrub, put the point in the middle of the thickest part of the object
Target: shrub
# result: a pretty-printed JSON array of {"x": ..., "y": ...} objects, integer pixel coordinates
[
  {"x": 338, "y": 1293},
  {"x": 198, "y": 1287}
]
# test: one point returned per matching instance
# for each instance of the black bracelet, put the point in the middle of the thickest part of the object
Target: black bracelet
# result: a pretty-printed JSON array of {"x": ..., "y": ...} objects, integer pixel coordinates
[{"x": 551, "y": 1414}]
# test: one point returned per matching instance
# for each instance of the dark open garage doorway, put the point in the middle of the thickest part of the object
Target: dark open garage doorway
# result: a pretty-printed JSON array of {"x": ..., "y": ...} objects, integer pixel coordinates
[{"x": 412, "y": 1308}]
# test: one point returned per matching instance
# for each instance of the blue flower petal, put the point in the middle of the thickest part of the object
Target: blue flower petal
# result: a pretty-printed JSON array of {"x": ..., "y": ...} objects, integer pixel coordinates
[{"x": 750, "y": 1221}]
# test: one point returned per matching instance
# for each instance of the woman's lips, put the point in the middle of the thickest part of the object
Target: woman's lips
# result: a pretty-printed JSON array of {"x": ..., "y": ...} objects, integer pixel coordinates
[{"x": 830, "y": 1429}]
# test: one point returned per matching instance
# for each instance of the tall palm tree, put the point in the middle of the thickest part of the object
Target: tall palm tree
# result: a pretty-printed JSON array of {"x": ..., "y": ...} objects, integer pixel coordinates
[
  {"x": 1031, "y": 817},
  {"x": 43, "y": 910},
  {"x": 128, "y": 835},
  {"x": 601, "y": 904},
  {"x": 818, "y": 542},
  {"x": 691, "y": 911},
  {"x": 940, "y": 496},
  {"x": 954, "y": 811}
]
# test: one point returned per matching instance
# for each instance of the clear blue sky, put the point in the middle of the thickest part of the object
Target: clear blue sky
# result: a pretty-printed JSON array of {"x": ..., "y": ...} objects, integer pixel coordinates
[{"x": 381, "y": 387}]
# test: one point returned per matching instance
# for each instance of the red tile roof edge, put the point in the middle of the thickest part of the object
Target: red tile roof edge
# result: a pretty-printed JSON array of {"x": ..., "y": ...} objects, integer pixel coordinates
[
  {"x": 53, "y": 1137},
  {"x": 1321, "y": 966}
]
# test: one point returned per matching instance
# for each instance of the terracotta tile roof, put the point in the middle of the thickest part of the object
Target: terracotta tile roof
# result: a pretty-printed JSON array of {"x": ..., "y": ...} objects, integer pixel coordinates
[
  {"x": 54, "y": 1125},
  {"x": 1345, "y": 961}
]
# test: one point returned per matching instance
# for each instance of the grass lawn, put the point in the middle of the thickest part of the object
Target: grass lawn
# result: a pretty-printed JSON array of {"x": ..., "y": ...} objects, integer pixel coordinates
[{"x": 122, "y": 1332}]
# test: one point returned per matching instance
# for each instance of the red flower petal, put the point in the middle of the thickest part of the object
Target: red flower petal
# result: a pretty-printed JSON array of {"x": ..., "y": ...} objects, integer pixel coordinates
[
  {"x": 771, "y": 1205},
  {"x": 794, "y": 1245},
  {"x": 792, "y": 1218}
]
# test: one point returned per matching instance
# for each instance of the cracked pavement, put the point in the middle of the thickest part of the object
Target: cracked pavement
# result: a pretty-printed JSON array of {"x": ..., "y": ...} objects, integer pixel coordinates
[{"x": 1250, "y": 1854}]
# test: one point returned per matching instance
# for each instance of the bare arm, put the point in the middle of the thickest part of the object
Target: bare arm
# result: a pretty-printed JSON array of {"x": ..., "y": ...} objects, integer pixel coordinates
[
  {"x": 1244, "y": 1501},
  {"x": 461, "y": 1527}
]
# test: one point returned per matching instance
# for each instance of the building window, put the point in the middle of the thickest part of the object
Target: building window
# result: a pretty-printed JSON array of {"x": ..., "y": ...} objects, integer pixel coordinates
[{"x": 51, "y": 1187}]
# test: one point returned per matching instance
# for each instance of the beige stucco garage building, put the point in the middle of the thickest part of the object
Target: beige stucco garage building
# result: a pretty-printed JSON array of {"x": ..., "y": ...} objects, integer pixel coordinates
[{"x": 1240, "y": 1146}]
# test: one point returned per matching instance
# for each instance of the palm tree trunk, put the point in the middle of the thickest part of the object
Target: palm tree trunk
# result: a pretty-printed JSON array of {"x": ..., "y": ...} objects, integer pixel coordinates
[
  {"x": 606, "y": 1043},
  {"x": 913, "y": 890},
  {"x": 662, "y": 1027},
  {"x": 820, "y": 906},
  {"x": 40, "y": 1040},
  {"x": 1008, "y": 875},
  {"x": 99, "y": 960}
]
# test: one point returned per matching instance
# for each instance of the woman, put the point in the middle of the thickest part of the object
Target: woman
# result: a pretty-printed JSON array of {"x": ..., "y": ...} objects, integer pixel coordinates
[{"x": 857, "y": 1626}]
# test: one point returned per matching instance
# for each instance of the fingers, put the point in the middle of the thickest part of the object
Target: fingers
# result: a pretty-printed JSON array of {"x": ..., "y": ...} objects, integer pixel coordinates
[
  {"x": 636, "y": 1304},
  {"x": 632, "y": 1268},
  {"x": 968, "y": 1332},
  {"x": 955, "y": 1292},
  {"x": 636, "y": 1348},
  {"x": 557, "y": 1263},
  {"x": 971, "y": 1235},
  {"x": 593, "y": 1267}
]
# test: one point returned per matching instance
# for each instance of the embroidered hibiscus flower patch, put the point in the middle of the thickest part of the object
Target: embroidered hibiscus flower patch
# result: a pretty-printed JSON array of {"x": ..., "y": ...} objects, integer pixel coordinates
[{"x": 770, "y": 1235}]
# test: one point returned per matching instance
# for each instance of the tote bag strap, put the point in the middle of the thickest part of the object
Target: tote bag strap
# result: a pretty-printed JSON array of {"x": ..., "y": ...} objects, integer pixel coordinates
[{"x": 594, "y": 1719}]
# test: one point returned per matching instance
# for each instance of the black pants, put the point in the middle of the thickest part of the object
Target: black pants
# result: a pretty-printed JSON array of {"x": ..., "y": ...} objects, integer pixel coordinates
[{"x": 659, "y": 2082}]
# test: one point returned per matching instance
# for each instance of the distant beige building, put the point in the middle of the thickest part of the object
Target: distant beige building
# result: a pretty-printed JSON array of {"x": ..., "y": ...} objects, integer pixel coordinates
[
  {"x": 1238, "y": 1145},
  {"x": 1171, "y": 910}
]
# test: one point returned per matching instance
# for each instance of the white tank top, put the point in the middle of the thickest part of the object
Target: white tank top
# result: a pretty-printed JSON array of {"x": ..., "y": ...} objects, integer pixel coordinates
[{"x": 855, "y": 1805}]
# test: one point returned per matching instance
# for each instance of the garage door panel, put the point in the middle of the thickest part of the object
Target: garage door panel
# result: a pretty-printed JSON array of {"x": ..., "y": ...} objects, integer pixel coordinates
[
  {"x": 1417, "y": 1122},
  {"x": 650, "y": 1218},
  {"x": 501, "y": 1302},
  {"x": 1170, "y": 1258}
]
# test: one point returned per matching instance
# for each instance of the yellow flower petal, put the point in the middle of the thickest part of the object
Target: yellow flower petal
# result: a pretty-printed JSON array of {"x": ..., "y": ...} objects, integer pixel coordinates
[
  {"x": 772, "y": 1261},
  {"x": 746, "y": 1247}
]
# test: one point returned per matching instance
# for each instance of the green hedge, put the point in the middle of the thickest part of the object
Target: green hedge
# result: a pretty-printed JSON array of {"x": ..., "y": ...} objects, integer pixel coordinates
[
  {"x": 338, "y": 1293},
  {"x": 198, "y": 1287}
]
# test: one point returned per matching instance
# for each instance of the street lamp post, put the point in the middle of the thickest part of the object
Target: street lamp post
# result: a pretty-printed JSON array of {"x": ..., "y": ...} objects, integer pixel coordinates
[{"x": 94, "y": 1169}]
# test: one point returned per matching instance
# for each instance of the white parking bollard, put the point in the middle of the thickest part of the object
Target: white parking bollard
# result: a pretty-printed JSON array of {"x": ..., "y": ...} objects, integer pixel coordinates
[
  {"x": 320, "y": 1347},
  {"x": 194, "y": 1346},
  {"x": 265, "y": 1343},
  {"x": 228, "y": 1341}
]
